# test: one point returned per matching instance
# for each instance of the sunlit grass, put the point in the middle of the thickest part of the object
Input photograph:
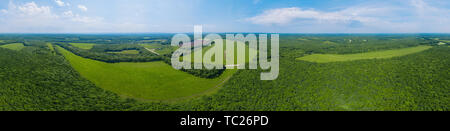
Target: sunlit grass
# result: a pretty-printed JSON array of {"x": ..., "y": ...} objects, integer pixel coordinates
[
  {"x": 146, "y": 80},
  {"x": 14, "y": 46},
  {"x": 85, "y": 46},
  {"x": 324, "y": 58}
]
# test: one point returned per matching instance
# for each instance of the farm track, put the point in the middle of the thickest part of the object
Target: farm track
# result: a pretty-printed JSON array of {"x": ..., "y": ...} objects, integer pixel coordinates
[{"x": 151, "y": 50}]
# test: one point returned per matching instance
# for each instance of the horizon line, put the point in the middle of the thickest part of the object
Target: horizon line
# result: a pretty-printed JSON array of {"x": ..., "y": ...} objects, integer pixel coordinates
[{"x": 3, "y": 33}]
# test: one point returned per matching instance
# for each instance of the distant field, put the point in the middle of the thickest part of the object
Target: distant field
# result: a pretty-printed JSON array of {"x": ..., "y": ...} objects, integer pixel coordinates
[
  {"x": 151, "y": 41},
  {"x": 50, "y": 46},
  {"x": 144, "y": 81},
  {"x": 247, "y": 49},
  {"x": 160, "y": 49},
  {"x": 14, "y": 46},
  {"x": 303, "y": 39},
  {"x": 324, "y": 58},
  {"x": 86, "y": 46},
  {"x": 329, "y": 42},
  {"x": 126, "y": 52}
]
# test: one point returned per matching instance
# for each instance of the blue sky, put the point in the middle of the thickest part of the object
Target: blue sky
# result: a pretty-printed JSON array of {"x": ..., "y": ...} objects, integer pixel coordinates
[{"x": 276, "y": 16}]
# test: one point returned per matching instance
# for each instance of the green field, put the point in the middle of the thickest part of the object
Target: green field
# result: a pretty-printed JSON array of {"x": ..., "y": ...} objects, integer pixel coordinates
[
  {"x": 159, "y": 48},
  {"x": 153, "y": 41},
  {"x": 86, "y": 46},
  {"x": 126, "y": 52},
  {"x": 50, "y": 46},
  {"x": 325, "y": 58},
  {"x": 329, "y": 42},
  {"x": 206, "y": 48},
  {"x": 14, "y": 46},
  {"x": 442, "y": 43},
  {"x": 144, "y": 81}
]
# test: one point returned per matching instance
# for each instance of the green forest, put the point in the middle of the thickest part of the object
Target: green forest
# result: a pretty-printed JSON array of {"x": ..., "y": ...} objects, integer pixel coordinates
[{"x": 391, "y": 72}]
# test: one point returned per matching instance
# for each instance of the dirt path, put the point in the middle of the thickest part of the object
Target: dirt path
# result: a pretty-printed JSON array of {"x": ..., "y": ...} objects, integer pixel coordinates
[{"x": 151, "y": 50}]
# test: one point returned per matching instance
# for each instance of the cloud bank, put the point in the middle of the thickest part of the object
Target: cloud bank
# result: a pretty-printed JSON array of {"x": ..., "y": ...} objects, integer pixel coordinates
[
  {"x": 421, "y": 17},
  {"x": 283, "y": 16},
  {"x": 33, "y": 18},
  {"x": 82, "y": 7}
]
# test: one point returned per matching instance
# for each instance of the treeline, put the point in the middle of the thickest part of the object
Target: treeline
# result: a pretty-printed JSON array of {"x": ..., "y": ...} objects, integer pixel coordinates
[
  {"x": 202, "y": 73},
  {"x": 120, "y": 47},
  {"x": 89, "y": 38},
  {"x": 110, "y": 57}
]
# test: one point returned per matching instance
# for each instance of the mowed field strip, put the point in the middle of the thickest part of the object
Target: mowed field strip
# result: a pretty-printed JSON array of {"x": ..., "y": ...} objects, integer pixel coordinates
[
  {"x": 14, "y": 46},
  {"x": 143, "y": 81},
  {"x": 125, "y": 52},
  {"x": 85, "y": 46},
  {"x": 247, "y": 57},
  {"x": 325, "y": 58},
  {"x": 159, "y": 48}
]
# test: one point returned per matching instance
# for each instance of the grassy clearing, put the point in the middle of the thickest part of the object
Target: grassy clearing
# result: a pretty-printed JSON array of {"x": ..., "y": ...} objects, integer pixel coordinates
[
  {"x": 14, "y": 46},
  {"x": 329, "y": 42},
  {"x": 324, "y": 58},
  {"x": 160, "y": 49},
  {"x": 154, "y": 41},
  {"x": 212, "y": 47},
  {"x": 85, "y": 46},
  {"x": 442, "y": 43},
  {"x": 50, "y": 46},
  {"x": 302, "y": 39},
  {"x": 126, "y": 52},
  {"x": 144, "y": 81}
]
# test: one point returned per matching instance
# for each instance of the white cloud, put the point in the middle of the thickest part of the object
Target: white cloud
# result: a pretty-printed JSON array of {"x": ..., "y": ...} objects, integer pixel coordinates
[
  {"x": 68, "y": 14},
  {"x": 288, "y": 15},
  {"x": 33, "y": 18},
  {"x": 77, "y": 18},
  {"x": 82, "y": 7},
  {"x": 32, "y": 9},
  {"x": 431, "y": 17},
  {"x": 4, "y": 11},
  {"x": 28, "y": 16},
  {"x": 84, "y": 19},
  {"x": 61, "y": 3},
  {"x": 413, "y": 16}
]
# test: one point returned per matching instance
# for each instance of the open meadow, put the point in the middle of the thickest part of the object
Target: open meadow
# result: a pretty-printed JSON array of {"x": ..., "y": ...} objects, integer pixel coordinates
[
  {"x": 144, "y": 81},
  {"x": 15, "y": 46},
  {"x": 324, "y": 58}
]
